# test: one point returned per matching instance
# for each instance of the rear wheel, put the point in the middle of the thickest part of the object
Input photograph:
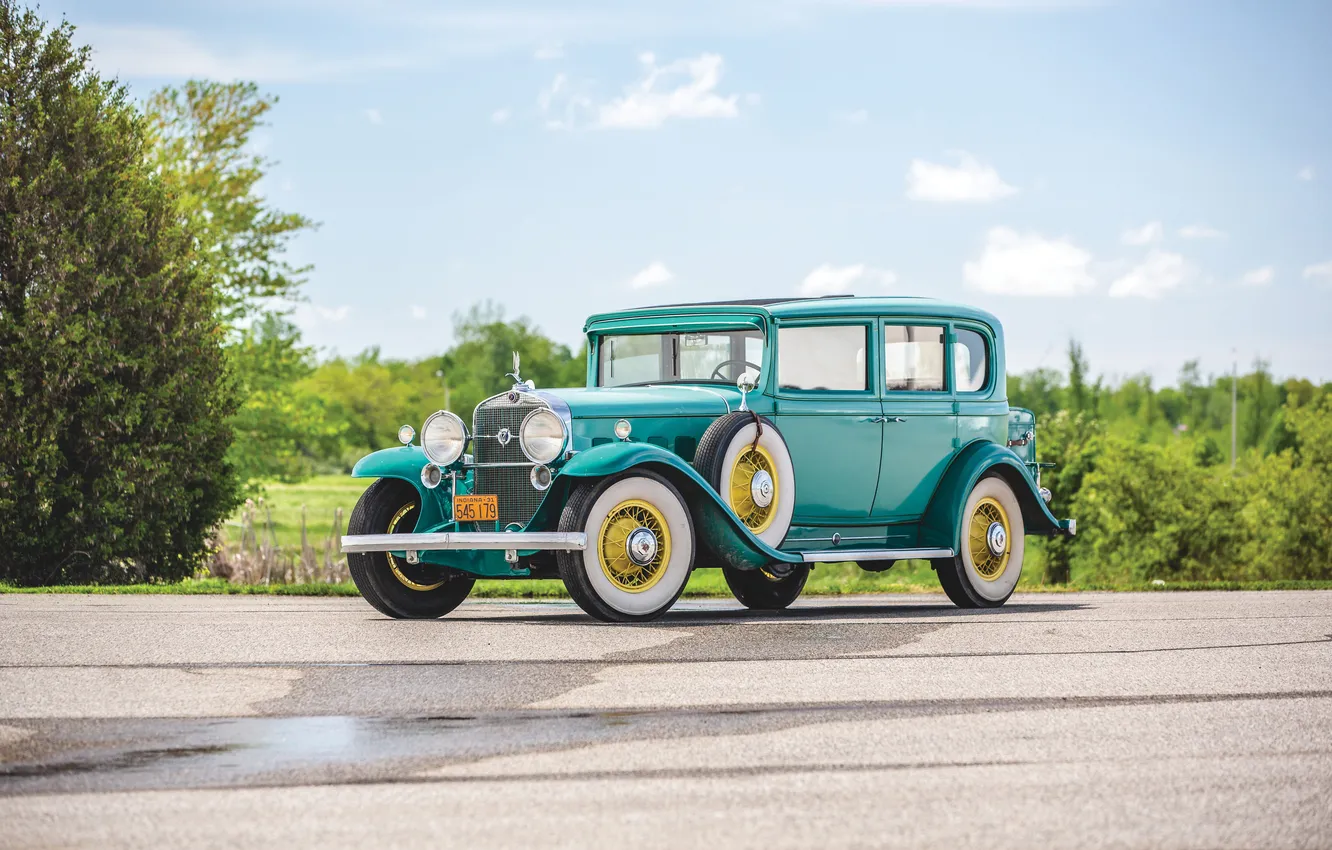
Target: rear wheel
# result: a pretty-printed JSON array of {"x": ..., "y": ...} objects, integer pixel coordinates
[
  {"x": 640, "y": 547},
  {"x": 988, "y": 563},
  {"x": 391, "y": 585},
  {"x": 761, "y": 590}
]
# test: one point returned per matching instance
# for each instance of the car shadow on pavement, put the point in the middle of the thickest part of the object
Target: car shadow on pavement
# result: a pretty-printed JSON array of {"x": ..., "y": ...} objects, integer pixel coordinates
[{"x": 683, "y": 614}]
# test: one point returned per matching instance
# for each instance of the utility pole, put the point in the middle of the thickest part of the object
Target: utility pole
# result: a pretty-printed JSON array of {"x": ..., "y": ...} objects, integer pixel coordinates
[{"x": 1234, "y": 408}]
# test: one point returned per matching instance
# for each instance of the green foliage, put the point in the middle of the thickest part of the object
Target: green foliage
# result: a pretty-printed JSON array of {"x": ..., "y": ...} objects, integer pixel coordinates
[
  {"x": 1145, "y": 473},
  {"x": 372, "y": 396},
  {"x": 113, "y": 386},
  {"x": 474, "y": 368},
  {"x": 201, "y": 143},
  {"x": 281, "y": 429},
  {"x": 1149, "y": 512}
]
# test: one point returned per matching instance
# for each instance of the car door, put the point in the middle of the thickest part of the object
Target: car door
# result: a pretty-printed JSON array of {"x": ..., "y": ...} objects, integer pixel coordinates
[
  {"x": 920, "y": 420},
  {"x": 828, "y": 410}
]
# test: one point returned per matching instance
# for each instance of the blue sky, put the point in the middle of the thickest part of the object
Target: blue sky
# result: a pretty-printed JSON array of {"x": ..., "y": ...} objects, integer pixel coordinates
[{"x": 1151, "y": 178}]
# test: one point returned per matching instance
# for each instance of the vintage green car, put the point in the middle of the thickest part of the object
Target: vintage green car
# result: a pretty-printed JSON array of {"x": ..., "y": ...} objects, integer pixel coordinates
[{"x": 759, "y": 437}]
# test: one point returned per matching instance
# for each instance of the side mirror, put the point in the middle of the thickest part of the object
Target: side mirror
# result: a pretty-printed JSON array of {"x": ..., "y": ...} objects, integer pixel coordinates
[{"x": 746, "y": 385}]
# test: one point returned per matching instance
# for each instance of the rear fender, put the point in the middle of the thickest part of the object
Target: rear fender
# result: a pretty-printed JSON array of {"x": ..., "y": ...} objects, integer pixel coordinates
[
  {"x": 718, "y": 529},
  {"x": 941, "y": 525}
]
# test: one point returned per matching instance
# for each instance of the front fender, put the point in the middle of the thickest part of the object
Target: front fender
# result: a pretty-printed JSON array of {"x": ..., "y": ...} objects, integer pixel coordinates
[
  {"x": 718, "y": 528},
  {"x": 406, "y": 463},
  {"x": 941, "y": 525}
]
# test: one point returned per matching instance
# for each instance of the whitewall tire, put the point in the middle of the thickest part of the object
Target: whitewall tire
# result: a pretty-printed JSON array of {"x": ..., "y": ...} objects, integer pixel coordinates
[
  {"x": 640, "y": 547},
  {"x": 988, "y": 563},
  {"x": 757, "y": 481}
]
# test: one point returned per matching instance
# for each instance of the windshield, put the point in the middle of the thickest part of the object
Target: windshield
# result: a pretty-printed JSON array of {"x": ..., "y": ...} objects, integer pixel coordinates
[{"x": 712, "y": 357}]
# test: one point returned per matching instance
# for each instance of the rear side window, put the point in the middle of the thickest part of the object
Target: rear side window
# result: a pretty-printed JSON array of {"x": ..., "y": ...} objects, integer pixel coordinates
[
  {"x": 822, "y": 358},
  {"x": 913, "y": 358},
  {"x": 971, "y": 362}
]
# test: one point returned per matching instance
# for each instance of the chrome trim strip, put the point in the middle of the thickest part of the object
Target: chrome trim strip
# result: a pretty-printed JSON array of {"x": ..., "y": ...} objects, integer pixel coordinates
[
  {"x": 829, "y": 539},
  {"x": 566, "y": 541},
  {"x": 831, "y": 556}
]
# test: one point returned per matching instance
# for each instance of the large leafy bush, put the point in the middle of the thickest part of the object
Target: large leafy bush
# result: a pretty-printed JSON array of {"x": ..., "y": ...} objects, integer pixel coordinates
[{"x": 113, "y": 391}]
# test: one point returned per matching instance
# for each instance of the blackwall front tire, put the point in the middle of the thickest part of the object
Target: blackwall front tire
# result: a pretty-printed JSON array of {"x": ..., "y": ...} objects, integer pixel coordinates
[
  {"x": 986, "y": 568},
  {"x": 729, "y": 460},
  {"x": 640, "y": 547},
  {"x": 759, "y": 590},
  {"x": 394, "y": 587}
]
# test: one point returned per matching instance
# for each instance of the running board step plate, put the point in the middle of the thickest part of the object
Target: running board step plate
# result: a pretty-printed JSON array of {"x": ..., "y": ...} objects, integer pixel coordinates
[{"x": 832, "y": 556}]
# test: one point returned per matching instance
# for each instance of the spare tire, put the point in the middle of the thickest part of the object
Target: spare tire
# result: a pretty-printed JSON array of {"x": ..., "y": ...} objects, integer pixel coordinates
[{"x": 754, "y": 478}]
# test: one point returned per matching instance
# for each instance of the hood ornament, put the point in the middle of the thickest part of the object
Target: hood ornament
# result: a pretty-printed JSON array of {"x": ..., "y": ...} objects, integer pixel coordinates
[{"x": 519, "y": 385}]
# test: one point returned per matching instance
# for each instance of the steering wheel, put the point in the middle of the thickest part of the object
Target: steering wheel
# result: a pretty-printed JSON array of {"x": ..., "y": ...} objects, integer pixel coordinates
[{"x": 717, "y": 375}]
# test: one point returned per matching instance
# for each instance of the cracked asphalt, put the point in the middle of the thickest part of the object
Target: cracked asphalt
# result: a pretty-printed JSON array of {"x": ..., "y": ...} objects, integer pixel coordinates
[{"x": 1061, "y": 720}]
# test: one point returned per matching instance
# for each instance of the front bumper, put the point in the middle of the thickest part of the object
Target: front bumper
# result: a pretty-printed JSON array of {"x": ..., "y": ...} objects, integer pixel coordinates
[{"x": 508, "y": 541}]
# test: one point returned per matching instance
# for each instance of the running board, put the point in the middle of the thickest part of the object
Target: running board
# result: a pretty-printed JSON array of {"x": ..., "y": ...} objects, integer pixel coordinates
[{"x": 832, "y": 556}]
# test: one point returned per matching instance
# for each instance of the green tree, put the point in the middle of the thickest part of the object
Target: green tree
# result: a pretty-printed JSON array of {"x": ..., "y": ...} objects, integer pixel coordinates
[
  {"x": 281, "y": 428},
  {"x": 474, "y": 368},
  {"x": 113, "y": 388},
  {"x": 201, "y": 142}
]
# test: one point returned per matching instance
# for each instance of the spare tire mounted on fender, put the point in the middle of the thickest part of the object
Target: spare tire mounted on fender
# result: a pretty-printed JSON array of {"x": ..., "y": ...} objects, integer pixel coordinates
[{"x": 743, "y": 456}]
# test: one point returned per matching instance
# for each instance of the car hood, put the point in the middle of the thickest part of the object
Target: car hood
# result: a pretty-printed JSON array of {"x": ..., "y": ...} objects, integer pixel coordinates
[{"x": 655, "y": 400}]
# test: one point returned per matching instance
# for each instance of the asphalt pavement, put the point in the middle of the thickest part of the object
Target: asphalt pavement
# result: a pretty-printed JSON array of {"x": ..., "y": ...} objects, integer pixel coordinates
[{"x": 1061, "y": 720}]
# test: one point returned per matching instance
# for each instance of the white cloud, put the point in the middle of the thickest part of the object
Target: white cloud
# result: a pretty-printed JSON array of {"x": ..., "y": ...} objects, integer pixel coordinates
[
  {"x": 969, "y": 181},
  {"x": 1145, "y": 235},
  {"x": 1161, "y": 272},
  {"x": 149, "y": 52},
  {"x": 373, "y": 116},
  {"x": 1259, "y": 277},
  {"x": 1319, "y": 271},
  {"x": 418, "y": 313},
  {"x": 655, "y": 274},
  {"x": 855, "y": 116},
  {"x": 499, "y": 116},
  {"x": 686, "y": 88},
  {"x": 1015, "y": 263},
  {"x": 313, "y": 314},
  {"x": 1306, "y": 173},
  {"x": 563, "y": 108},
  {"x": 828, "y": 279},
  {"x": 547, "y": 52},
  {"x": 1201, "y": 231}
]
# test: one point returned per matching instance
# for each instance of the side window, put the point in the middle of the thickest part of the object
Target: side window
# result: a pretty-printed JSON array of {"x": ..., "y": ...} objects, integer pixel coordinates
[
  {"x": 913, "y": 357},
  {"x": 971, "y": 362},
  {"x": 822, "y": 358}
]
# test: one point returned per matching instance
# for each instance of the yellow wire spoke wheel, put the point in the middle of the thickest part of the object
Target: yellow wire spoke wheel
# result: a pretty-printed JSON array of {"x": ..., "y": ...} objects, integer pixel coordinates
[
  {"x": 394, "y": 565},
  {"x": 753, "y": 462},
  {"x": 633, "y": 571},
  {"x": 984, "y": 536}
]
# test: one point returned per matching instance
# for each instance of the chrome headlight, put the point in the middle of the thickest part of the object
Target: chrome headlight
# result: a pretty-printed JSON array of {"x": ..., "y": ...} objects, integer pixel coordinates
[
  {"x": 542, "y": 436},
  {"x": 443, "y": 436}
]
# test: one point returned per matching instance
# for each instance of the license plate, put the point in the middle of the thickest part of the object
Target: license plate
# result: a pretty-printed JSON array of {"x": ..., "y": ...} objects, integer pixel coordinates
[{"x": 475, "y": 508}]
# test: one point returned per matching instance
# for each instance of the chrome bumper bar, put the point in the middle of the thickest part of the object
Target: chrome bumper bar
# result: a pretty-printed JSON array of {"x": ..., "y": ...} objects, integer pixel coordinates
[{"x": 507, "y": 540}]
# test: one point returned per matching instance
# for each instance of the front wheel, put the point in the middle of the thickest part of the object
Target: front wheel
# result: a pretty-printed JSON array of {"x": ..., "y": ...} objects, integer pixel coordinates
[
  {"x": 760, "y": 590},
  {"x": 392, "y": 586},
  {"x": 986, "y": 568},
  {"x": 640, "y": 547}
]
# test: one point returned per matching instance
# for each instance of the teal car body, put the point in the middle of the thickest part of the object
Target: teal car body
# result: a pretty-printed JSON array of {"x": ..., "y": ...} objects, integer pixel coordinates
[{"x": 882, "y": 466}]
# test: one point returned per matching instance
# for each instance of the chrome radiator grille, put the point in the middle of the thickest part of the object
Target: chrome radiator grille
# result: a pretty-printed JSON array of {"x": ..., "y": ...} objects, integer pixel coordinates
[{"x": 517, "y": 498}]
